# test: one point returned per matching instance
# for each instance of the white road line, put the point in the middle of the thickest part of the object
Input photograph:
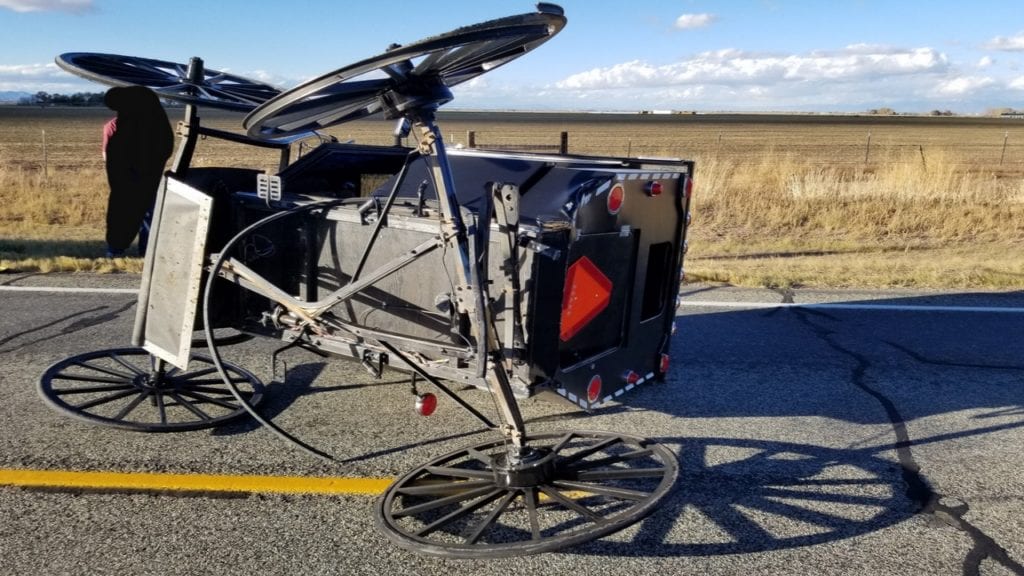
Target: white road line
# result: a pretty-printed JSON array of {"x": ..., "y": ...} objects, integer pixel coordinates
[
  {"x": 833, "y": 306},
  {"x": 69, "y": 290},
  {"x": 684, "y": 304}
]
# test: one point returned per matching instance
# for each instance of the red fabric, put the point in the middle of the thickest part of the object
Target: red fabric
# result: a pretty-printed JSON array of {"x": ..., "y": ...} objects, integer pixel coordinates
[{"x": 108, "y": 130}]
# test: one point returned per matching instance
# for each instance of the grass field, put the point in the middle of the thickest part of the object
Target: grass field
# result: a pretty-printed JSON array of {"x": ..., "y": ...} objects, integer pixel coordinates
[{"x": 781, "y": 200}]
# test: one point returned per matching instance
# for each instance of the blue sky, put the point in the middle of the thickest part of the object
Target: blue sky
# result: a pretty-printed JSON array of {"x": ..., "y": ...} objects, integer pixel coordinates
[{"x": 753, "y": 55}]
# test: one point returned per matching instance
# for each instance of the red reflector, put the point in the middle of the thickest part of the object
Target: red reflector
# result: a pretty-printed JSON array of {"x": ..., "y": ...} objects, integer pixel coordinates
[
  {"x": 689, "y": 188},
  {"x": 630, "y": 377},
  {"x": 616, "y": 198},
  {"x": 594, "y": 389},
  {"x": 664, "y": 364},
  {"x": 587, "y": 292},
  {"x": 426, "y": 404},
  {"x": 654, "y": 188}
]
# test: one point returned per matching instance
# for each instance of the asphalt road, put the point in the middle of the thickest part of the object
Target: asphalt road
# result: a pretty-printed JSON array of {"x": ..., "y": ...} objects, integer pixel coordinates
[{"x": 880, "y": 434}]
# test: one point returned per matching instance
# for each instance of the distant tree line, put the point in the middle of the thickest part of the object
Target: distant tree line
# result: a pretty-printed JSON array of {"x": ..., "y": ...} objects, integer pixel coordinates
[
  {"x": 76, "y": 99},
  {"x": 891, "y": 112}
]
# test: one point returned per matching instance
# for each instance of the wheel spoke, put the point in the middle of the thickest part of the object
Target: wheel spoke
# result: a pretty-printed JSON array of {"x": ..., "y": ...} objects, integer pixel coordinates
[
  {"x": 127, "y": 365},
  {"x": 530, "y": 497},
  {"x": 96, "y": 379},
  {"x": 207, "y": 399},
  {"x": 475, "y": 59},
  {"x": 192, "y": 383},
  {"x": 196, "y": 374},
  {"x": 161, "y": 407},
  {"x": 442, "y": 502},
  {"x": 131, "y": 405},
  {"x": 491, "y": 517},
  {"x": 602, "y": 490},
  {"x": 571, "y": 504},
  {"x": 224, "y": 391},
  {"x": 106, "y": 371},
  {"x": 459, "y": 472},
  {"x": 478, "y": 456},
  {"x": 562, "y": 442},
  {"x": 464, "y": 510},
  {"x": 188, "y": 405},
  {"x": 436, "y": 488},
  {"x": 94, "y": 389},
  {"x": 577, "y": 456},
  {"x": 628, "y": 473},
  {"x": 105, "y": 399},
  {"x": 609, "y": 460}
]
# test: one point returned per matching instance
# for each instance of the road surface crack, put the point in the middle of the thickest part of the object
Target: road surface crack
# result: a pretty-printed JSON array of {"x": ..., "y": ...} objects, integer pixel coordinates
[{"x": 927, "y": 501}]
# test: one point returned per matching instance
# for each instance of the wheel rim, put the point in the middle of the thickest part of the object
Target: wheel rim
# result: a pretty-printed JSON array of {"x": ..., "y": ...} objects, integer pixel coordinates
[
  {"x": 119, "y": 388},
  {"x": 575, "y": 487},
  {"x": 405, "y": 78},
  {"x": 169, "y": 80}
]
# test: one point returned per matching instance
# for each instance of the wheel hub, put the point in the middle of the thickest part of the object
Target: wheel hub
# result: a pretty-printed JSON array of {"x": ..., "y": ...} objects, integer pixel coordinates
[
  {"x": 148, "y": 382},
  {"x": 527, "y": 468}
]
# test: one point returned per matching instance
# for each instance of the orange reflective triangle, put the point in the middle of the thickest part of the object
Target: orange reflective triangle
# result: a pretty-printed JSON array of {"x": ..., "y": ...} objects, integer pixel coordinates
[{"x": 587, "y": 292}]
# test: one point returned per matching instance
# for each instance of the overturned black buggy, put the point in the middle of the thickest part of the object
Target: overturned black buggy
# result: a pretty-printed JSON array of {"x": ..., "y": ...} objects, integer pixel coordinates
[{"x": 513, "y": 272}]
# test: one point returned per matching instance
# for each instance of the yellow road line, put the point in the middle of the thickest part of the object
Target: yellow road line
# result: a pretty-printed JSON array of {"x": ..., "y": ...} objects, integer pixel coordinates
[{"x": 191, "y": 482}]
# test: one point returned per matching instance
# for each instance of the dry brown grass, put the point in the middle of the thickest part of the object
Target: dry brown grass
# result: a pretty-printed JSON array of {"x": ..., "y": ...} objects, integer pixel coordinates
[{"x": 778, "y": 202}]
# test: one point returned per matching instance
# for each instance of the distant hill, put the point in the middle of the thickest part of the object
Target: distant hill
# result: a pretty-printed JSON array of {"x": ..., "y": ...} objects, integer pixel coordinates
[{"x": 12, "y": 97}]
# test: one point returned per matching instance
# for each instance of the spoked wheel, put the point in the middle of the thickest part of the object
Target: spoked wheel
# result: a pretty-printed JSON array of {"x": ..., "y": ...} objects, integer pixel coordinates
[
  {"x": 123, "y": 388},
  {"x": 404, "y": 79},
  {"x": 566, "y": 488},
  {"x": 170, "y": 80}
]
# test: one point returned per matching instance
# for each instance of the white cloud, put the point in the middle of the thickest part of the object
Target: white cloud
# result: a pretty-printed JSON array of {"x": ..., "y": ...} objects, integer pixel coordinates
[
  {"x": 689, "y": 21},
  {"x": 73, "y": 6},
  {"x": 1006, "y": 43},
  {"x": 985, "y": 62},
  {"x": 270, "y": 78},
  {"x": 854, "y": 78},
  {"x": 732, "y": 67},
  {"x": 27, "y": 70},
  {"x": 42, "y": 77},
  {"x": 964, "y": 85}
]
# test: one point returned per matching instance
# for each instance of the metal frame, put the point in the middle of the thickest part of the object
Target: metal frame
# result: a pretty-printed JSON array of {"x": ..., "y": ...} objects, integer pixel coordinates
[{"x": 621, "y": 478}]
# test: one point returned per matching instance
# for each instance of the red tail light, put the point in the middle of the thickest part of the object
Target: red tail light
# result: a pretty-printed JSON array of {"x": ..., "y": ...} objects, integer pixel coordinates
[
  {"x": 616, "y": 198},
  {"x": 587, "y": 292},
  {"x": 630, "y": 377},
  {"x": 663, "y": 365},
  {"x": 689, "y": 187},
  {"x": 654, "y": 188},
  {"x": 594, "y": 389},
  {"x": 426, "y": 404}
]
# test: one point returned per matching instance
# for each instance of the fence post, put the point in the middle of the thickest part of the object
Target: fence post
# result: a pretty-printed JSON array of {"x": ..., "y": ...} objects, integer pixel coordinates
[
  {"x": 563, "y": 144},
  {"x": 471, "y": 138},
  {"x": 867, "y": 148},
  {"x": 1002, "y": 155},
  {"x": 46, "y": 169}
]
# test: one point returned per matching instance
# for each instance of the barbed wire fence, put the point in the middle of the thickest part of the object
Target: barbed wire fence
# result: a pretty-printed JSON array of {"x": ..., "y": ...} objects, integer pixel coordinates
[{"x": 1002, "y": 152}]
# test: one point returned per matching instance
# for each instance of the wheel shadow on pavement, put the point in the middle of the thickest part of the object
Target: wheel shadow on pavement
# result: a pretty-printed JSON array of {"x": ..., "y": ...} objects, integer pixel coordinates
[{"x": 860, "y": 369}]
